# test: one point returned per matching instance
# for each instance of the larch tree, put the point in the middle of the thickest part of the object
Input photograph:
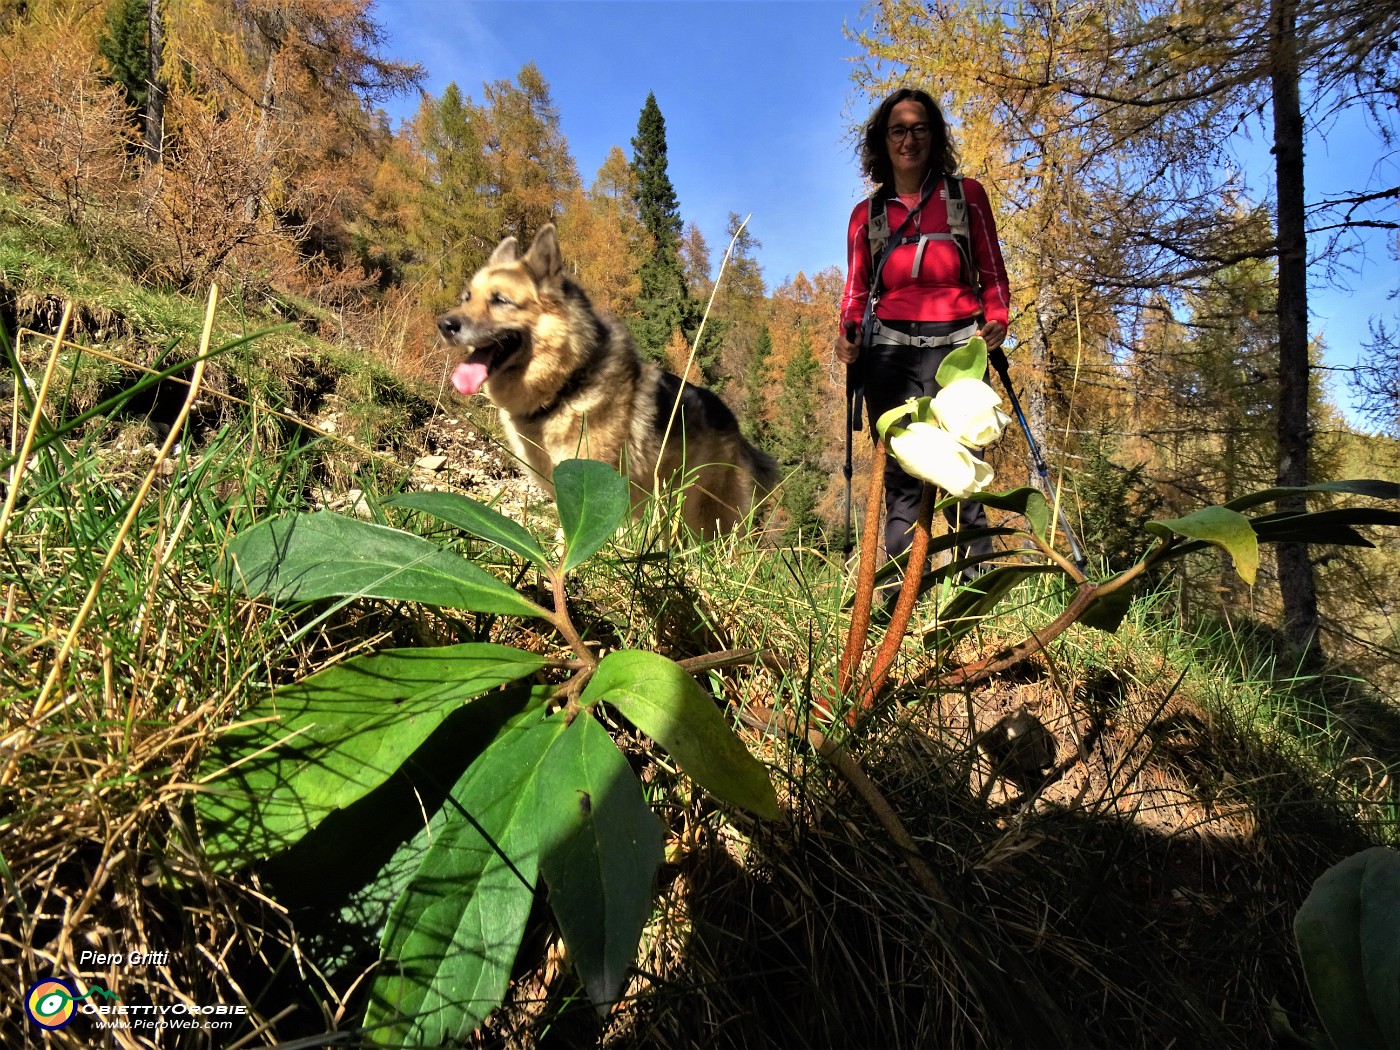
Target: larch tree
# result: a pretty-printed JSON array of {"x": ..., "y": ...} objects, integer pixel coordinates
[
  {"x": 740, "y": 304},
  {"x": 757, "y": 382},
  {"x": 1082, "y": 197},
  {"x": 1305, "y": 60},
  {"x": 532, "y": 170},
  {"x": 452, "y": 232},
  {"x": 153, "y": 128},
  {"x": 314, "y": 71},
  {"x": 694, "y": 252},
  {"x": 796, "y": 438},
  {"x": 602, "y": 238}
]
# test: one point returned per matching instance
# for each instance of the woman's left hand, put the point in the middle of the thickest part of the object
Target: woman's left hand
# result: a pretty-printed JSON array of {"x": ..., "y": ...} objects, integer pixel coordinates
[{"x": 994, "y": 333}]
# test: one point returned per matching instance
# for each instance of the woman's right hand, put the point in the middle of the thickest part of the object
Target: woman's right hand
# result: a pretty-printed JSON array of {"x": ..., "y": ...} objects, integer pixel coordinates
[{"x": 845, "y": 347}]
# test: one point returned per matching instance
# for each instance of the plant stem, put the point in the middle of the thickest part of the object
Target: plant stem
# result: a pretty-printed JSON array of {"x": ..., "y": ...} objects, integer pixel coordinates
[
  {"x": 564, "y": 625},
  {"x": 865, "y": 584},
  {"x": 765, "y": 719},
  {"x": 1070, "y": 569},
  {"x": 904, "y": 607},
  {"x": 1084, "y": 597}
]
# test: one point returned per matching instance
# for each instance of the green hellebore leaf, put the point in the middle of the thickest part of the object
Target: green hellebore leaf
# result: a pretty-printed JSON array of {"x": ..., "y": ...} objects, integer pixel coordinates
[
  {"x": 976, "y": 601},
  {"x": 1380, "y": 939},
  {"x": 1323, "y": 526},
  {"x": 453, "y": 934},
  {"x": 658, "y": 697},
  {"x": 334, "y": 737},
  {"x": 1027, "y": 501},
  {"x": 966, "y": 362},
  {"x": 1225, "y": 528},
  {"x": 600, "y": 846},
  {"x": 475, "y": 518},
  {"x": 1106, "y": 612},
  {"x": 888, "y": 419},
  {"x": 1357, "y": 487},
  {"x": 593, "y": 499},
  {"x": 302, "y": 557},
  {"x": 1329, "y": 931}
]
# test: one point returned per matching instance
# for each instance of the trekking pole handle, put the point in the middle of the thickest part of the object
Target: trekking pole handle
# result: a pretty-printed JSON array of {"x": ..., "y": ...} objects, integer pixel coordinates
[{"x": 853, "y": 384}]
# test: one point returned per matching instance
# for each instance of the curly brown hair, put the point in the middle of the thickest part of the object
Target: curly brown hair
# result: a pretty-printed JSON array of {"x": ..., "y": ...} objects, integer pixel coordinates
[{"x": 875, "y": 154}]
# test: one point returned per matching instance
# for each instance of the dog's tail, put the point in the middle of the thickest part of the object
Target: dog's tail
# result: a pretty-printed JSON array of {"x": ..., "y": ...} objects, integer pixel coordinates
[{"x": 764, "y": 470}]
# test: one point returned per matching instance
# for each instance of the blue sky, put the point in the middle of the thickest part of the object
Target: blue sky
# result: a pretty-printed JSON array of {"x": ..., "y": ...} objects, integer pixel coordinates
[
  {"x": 756, "y": 98},
  {"x": 753, "y": 95}
]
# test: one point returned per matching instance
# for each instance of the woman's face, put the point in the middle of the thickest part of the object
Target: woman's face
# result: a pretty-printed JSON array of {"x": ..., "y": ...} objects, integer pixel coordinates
[{"x": 908, "y": 139}]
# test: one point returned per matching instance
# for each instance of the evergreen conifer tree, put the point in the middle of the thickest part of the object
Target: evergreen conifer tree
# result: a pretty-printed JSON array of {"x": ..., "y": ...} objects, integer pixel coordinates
[
  {"x": 753, "y": 424},
  {"x": 797, "y": 439},
  {"x": 125, "y": 44},
  {"x": 663, "y": 305}
]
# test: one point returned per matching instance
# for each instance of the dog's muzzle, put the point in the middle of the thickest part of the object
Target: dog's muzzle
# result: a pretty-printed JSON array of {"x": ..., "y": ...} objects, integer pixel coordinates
[{"x": 489, "y": 350}]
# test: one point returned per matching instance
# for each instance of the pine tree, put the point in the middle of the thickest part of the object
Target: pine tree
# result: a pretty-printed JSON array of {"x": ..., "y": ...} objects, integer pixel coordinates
[
  {"x": 124, "y": 43},
  {"x": 754, "y": 424},
  {"x": 663, "y": 305},
  {"x": 1114, "y": 503},
  {"x": 797, "y": 441}
]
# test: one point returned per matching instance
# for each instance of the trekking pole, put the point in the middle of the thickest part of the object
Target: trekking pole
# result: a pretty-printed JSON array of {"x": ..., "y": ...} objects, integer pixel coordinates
[
  {"x": 998, "y": 359},
  {"x": 853, "y": 423}
]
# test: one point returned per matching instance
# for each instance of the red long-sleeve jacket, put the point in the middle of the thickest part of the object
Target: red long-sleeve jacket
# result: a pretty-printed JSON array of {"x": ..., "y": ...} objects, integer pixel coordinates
[{"x": 941, "y": 291}]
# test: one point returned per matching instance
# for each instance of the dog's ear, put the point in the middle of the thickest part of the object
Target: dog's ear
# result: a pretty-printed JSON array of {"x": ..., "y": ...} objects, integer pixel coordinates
[
  {"x": 504, "y": 253},
  {"x": 543, "y": 257}
]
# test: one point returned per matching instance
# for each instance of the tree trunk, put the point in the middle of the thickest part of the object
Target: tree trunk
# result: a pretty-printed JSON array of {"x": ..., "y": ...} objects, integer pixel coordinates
[
  {"x": 1295, "y": 573},
  {"x": 153, "y": 136},
  {"x": 252, "y": 205}
]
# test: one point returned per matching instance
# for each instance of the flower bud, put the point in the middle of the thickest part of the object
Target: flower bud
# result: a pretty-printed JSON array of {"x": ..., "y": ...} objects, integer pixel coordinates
[
  {"x": 970, "y": 410},
  {"x": 931, "y": 454}
]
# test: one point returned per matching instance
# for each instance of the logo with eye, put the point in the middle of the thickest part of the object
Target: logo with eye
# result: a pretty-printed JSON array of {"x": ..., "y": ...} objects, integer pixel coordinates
[{"x": 49, "y": 1003}]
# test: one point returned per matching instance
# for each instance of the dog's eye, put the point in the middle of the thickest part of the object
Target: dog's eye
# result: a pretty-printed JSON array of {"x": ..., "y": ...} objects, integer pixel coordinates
[{"x": 497, "y": 299}]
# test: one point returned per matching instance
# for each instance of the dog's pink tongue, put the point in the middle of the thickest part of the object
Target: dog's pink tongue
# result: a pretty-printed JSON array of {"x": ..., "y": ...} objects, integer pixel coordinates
[{"x": 469, "y": 376}]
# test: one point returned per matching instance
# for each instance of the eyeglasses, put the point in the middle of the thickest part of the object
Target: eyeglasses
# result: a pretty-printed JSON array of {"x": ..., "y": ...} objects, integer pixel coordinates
[{"x": 898, "y": 131}]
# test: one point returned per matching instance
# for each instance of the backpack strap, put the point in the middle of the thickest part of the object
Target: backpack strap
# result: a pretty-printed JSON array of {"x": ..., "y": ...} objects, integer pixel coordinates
[
  {"x": 877, "y": 226},
  {"x": 961, "y": 230}
]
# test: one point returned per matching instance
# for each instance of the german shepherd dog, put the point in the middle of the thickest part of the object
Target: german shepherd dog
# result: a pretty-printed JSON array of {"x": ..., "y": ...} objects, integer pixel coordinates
[{"x": 568, "y": 384}]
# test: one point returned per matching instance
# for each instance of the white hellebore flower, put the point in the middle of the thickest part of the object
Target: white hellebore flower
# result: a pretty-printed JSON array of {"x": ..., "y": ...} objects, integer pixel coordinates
[
  {"x": 971, "y": 411},
  {"x": 930, "y": 453}
]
